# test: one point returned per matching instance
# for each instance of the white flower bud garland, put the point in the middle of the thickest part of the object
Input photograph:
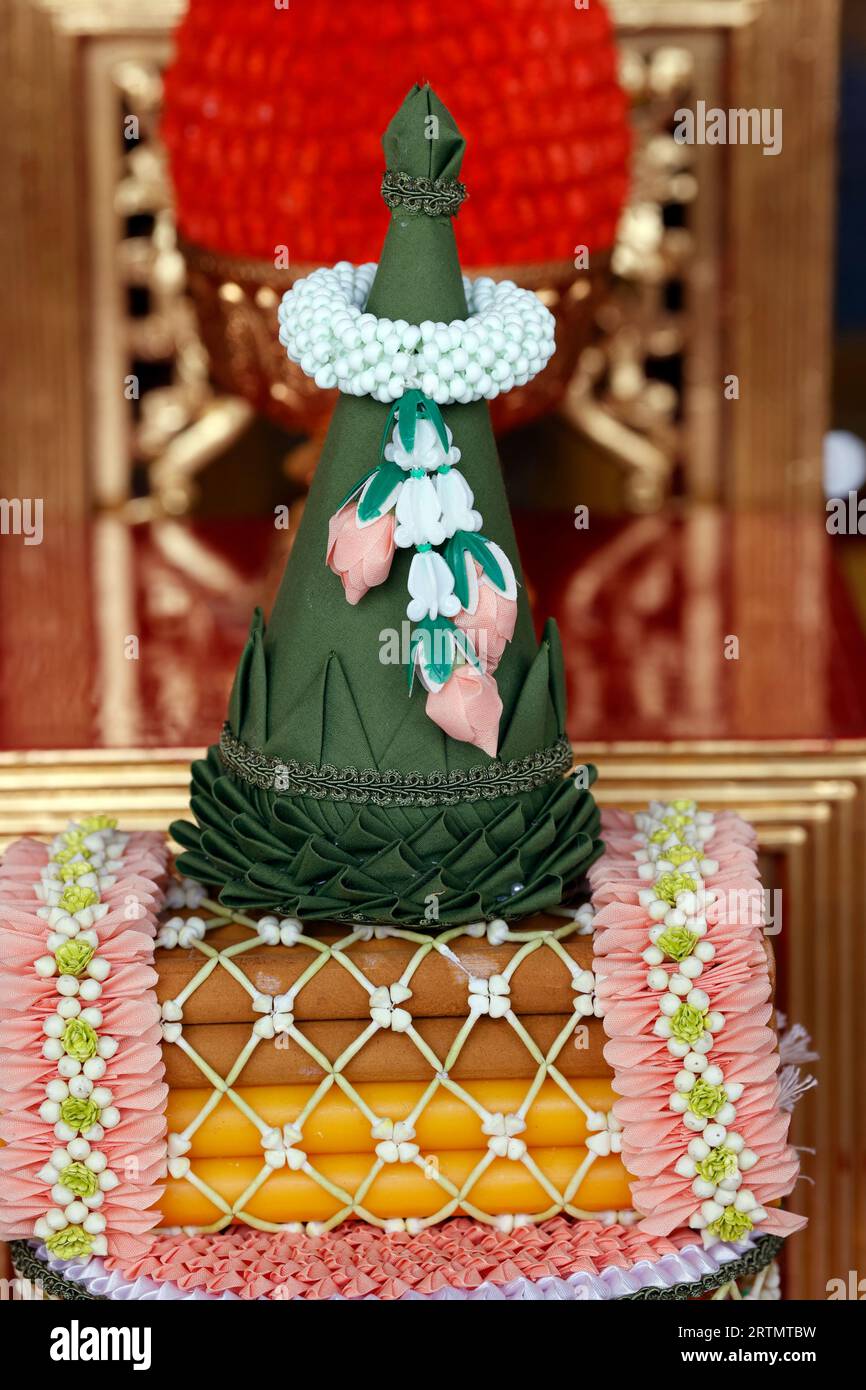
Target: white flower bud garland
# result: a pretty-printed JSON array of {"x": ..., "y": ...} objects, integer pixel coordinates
[
  {"x": 83, "y": 862},
  {"x": 673, "y": 862},
  {"x": 507, "y": 340}
]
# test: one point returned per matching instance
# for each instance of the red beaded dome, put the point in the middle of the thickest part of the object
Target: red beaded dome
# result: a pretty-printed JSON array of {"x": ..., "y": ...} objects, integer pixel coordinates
[{"x": 272, "y": 122}]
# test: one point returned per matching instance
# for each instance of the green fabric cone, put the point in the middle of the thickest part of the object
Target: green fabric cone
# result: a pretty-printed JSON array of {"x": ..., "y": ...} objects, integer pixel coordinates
[{"x": 312, "y": 689}]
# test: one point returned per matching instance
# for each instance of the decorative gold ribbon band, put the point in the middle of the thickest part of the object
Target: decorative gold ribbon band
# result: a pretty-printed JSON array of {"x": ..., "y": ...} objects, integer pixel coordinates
[{"x": 386, "y": 787}]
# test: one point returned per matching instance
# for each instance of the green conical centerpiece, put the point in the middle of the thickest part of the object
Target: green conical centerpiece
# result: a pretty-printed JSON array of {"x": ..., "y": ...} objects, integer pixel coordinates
[{"x": 334, "y": 794}]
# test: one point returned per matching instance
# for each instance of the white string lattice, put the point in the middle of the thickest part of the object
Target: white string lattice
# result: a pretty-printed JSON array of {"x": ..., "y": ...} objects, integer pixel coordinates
[{"x": 395, "y": 1139}]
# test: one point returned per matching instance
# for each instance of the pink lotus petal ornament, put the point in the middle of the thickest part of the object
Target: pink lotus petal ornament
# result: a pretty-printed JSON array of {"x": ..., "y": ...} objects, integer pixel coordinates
[
  {"x": 360, "y": 554},
  {"x": 491, "y": 625},
  {"x": 468, "y": 708}
]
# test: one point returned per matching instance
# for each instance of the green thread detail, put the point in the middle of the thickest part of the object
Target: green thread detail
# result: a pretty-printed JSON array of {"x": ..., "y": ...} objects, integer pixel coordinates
[
  {"x": 706, "y": 1100},
  {"x": 688, "y": 1023},
  {"x": 74, "y": 898},
  {"x": 79, "y": 1179},
  {"x": 424, "y": 547},
  {"x": 417, "y": 472},
  {"x": 677, "y": 942},
  {"x": 73, "y": 957},
  {"x": 79, "y": 1040},
  {"x": 719, "y": 1163},
  {"x": 731, "y": 1225},
  {"x": 667, "y": 886},
  {"x": 70, "y": 1244},
  {"x": 80, "y": 1115},
  {"x": 444, "y": 468}
]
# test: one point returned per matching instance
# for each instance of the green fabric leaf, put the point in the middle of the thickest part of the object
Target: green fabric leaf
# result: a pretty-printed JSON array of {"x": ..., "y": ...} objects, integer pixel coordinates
[
  {"x": 432, "y": 646},
  {"x": 463, "y": 643},
  {"x": 479, "y": 548},
  {"x": 355, "y": 489},
  {"x": 344, "y": 740},
  {"x": 551, "y": 637},
  {"x": 532, "y": 725},
  {"x": 238, "y": 697},
  {"x": 379, "y": 490}
]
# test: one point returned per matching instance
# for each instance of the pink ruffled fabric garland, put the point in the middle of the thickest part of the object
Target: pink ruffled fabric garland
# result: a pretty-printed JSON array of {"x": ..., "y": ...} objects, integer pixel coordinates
[
  {"x": 115, "y": 1176},
  {"x": 360, "y": 1261},
  {"x": 712, "y": 1177}
]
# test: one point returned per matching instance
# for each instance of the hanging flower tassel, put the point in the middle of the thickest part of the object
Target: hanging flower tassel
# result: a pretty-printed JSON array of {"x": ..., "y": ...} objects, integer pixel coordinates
[
  {"x": 468, "y": 708},
  {"x": 360, "y": 554},
  {"x": 463, "y": 602}
]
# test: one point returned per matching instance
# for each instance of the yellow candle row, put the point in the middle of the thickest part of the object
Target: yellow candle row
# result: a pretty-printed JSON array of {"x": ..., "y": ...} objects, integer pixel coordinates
[
  {"x": 337, "y": 1126},
  {"x": 399, "y": 1190}
]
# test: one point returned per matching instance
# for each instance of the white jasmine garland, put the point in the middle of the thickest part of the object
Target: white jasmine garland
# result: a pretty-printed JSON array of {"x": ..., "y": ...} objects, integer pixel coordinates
[
  {"x": 716, "y": 1156},
  {"x": 77, "y": 1079},
  {"x": 507, "y": 339}
]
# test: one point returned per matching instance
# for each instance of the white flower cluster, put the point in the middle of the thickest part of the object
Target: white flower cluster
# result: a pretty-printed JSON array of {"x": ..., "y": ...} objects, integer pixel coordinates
[
  {"x": 83, "y": 862},
  {"x": 673, "y": 861},
  {"x": 507, "y": 339}
]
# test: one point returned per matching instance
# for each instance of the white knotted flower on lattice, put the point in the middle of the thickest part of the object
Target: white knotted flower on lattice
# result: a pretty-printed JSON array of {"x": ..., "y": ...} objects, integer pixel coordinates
[
  {"x": 395, "y": 1141},
  {"x": 278, "y": 1017},
  {"x": 491, "y": 996},
  {"x": 503, "y": 1131},
  {"x": 171, "y": 1016},
  {"x": 179, "y": 931},
  {"x": 280, "y": 1149},
  {"x": 385, "y": 1010},
  {"x": 275, "y": 931},
  {"x": 607, "y": 1139}
]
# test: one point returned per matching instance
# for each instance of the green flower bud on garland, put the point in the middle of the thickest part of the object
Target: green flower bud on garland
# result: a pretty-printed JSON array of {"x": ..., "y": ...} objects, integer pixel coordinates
[
  {"x": 91, "y": 823},
  {"x": 706, "y": 1100},
  {"x": 79, "y": 1114},
  {"x": 63, "y": 856},
  {"x": 668, "y": 885},
  {"x": 74, "y": 898},
  {"x": 79, "y": 1040},
  {"x": 71, "y": 871},
  {"x": 731, "y": 1225},
  {"x": 74, "y": 841},
  {"x": 73, "y": 957},
  {"x": 80, "y": 1180},
  {"x": 677, "y": 942},
  {"x": 671, "y": 825},
  {"x": 719, "y": 1163},
  {"x": 70, "y": 1244},
  {"x": 688, "y": 1023},
  {"x": 678, "y": 854}
]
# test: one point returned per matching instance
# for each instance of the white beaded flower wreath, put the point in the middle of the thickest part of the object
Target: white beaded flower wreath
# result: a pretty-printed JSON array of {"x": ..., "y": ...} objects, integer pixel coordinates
[{"x": 507, "y": 340}]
